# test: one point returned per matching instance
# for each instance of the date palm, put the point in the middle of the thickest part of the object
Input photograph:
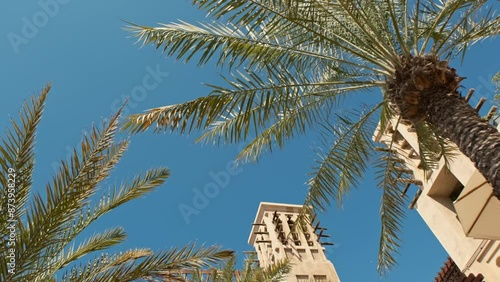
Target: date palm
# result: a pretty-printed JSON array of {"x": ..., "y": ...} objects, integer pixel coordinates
[
  {"x": 299, "y": 65},
  {"x": 39, "y": 229}
]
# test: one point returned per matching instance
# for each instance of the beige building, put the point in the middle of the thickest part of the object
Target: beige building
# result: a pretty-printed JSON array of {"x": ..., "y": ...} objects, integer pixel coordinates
[
  {"x": 455, "y": 201},
  {"x": 274, "y": 240}
]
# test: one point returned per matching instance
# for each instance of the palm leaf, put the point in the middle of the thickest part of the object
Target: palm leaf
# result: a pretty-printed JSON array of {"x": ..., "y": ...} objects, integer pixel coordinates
[
  {"x": 69, "y": 191},
  {"x": 392, "y": 211},
  {"x": 343, "y": 166},
  {"x": 275, "y": 272},
  {"x": 46, "y": 234},
  {"x": 17, "y": 153}
]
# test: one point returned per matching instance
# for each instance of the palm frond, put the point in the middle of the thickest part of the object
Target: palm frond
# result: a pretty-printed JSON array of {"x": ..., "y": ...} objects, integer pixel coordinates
[
  {"x": 46, "y": 234},
  {"x": 392, "y": 211},
  {"x": 436, "y": 17},
  {"x": 432, "y": 147},
  {"x": 141, "y": 185},
  {"x": 70, "y": 190},
  {"x": 249, "y": 270},
  {"x": 17, "y": 156},
  {"x": 143, "y": 264},
  {"x": 97, "y": 242},
  {"x": 399, "y": 25},
  {"x": 343, "y": 166},
  {"x": 496, "y": 81},
  {"x": 275, "y": 272},
  {"x": 273, "y": 23},
  {"x": 167, "y": 264},
  {"x": 228, "y": 269},
  {"x": 252, "y": 99},
  {"x": 233, "y": 47},
  {"x": 470, "y": 31},
  {"x": 102, "y": 264}
]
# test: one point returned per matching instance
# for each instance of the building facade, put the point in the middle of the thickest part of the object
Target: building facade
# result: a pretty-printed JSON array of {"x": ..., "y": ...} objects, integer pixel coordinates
[
  {"x": 274, "y": 238},
  {"x": 455, "y": 201}
]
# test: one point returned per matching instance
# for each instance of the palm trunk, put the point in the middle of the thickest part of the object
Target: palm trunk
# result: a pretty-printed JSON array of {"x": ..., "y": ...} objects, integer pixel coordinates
[
  {"x": 456, "y": 120},
  {"x": 425, "y": 89}
]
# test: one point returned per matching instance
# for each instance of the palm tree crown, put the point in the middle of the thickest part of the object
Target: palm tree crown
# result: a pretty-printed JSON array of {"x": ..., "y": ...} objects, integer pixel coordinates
[
  {"x": 39, "y": 233},
  {"x": 298, "y": 64}
]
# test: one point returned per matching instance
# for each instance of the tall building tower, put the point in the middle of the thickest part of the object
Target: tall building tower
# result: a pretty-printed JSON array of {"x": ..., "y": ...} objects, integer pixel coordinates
[
  {"x": 273, "y": 240},
  {"x": 454, "y": 200}
]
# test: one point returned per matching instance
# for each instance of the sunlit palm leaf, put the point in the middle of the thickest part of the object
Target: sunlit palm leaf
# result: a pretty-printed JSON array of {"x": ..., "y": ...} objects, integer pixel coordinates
[
  {"x": 17, "y": 153},
  {"x": 102, "y": 264},
  {"x": 69, "y": 191},
  {"x": 46, "y": 234},
  {"x": 92, "y": 244}
]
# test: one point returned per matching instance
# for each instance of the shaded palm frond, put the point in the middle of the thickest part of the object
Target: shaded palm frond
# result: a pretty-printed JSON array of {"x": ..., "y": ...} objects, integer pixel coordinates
[
  {"x": 353, "y": 27},
  {"x": 249, "y": 271},
  {"x": 143, "y": 264},
  {"x": 392, "y": 211},
  {"x": 435, "y": 18},
  {"x": 471, "y": 26},
  {"x": 275, "y": 118},
  {"x": 432, "y": 147},
  {"x": 227, "y": 272},
  {"x": 496, "y": 81},
  {"x": 275, "y": 272},
  {"x": 343, "y": 166},
  {"x": 254, "y": 101}
]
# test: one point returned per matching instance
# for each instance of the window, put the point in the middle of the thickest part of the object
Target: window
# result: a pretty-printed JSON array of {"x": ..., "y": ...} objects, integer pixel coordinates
[
  {"x": 320, "y": 278},
  {"x": 302, "y": 278},
  {"x": 302, "y": 254},
  {"x": 315, "y": 254}
]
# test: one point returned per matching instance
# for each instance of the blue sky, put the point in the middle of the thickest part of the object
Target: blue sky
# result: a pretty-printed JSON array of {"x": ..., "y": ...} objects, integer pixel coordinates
[{"x": 81, "y": 48}]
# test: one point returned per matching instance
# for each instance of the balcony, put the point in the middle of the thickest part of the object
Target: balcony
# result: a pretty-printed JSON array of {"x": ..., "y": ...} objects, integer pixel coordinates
[{"x": 478, "y": 210}]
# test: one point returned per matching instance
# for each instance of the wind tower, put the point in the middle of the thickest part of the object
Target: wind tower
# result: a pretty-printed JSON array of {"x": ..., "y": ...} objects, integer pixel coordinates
[
  {"x": 453, "y": 198},
  {"x": 273, "y": 240}
]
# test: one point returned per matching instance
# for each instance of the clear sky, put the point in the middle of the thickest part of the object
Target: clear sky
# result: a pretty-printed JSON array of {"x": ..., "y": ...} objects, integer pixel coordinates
[{"x": 80, "y": 47}]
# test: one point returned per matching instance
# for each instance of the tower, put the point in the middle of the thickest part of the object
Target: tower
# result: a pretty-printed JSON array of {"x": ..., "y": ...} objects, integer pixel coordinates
[
  {"x": 273, "y": 240},
  {"x": 453, "y": 199}
]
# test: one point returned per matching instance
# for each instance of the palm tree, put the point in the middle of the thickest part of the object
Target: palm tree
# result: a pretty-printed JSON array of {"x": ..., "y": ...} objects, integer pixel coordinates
[
  {"x": 299, "y": 65},
  {"x": 226, "y": 272},
  {"x": 39, "y": 230}
]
